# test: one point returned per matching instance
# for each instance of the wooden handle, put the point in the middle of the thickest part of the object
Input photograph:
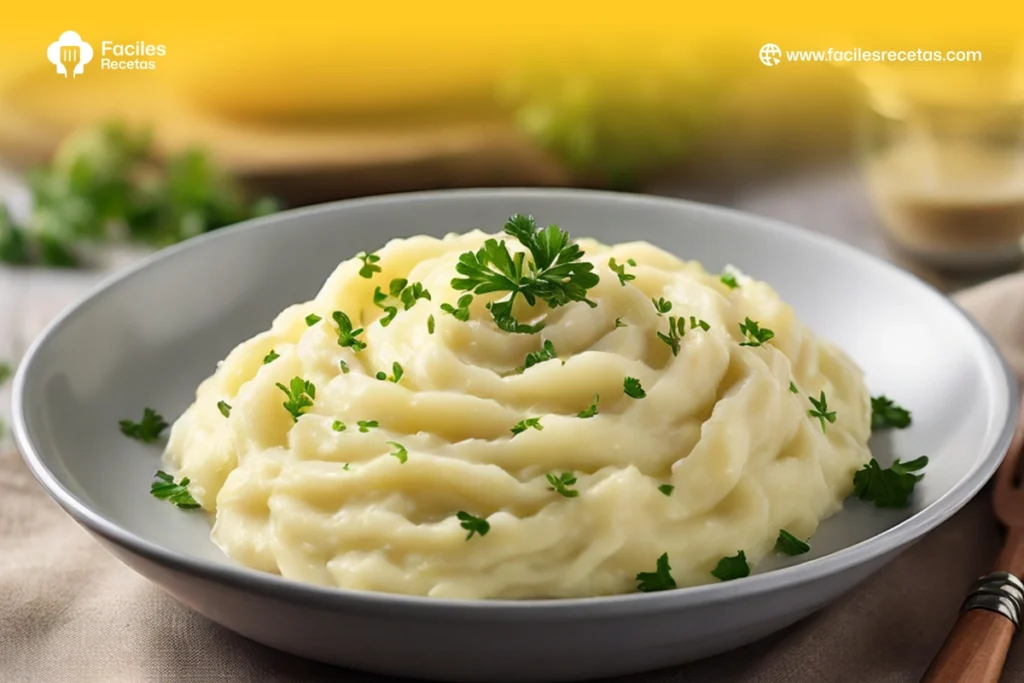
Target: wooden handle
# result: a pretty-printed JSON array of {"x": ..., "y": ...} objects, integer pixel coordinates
[{"x": 975, "y": 650}]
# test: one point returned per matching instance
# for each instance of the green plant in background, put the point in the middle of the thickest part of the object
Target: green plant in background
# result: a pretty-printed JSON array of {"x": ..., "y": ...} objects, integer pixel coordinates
[
  {"x": 612, "y": 124},
  {"x": 108, "y": 184}
]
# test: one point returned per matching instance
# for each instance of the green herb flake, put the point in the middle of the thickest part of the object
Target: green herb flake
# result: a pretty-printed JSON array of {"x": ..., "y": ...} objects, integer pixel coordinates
[
  {"x": 676, "y": 330},
  {"x": 312, "y": 319},
  {"x": 662, "y": 305},
  {"x": 821, "y": 411},
  {"x": 430, "y": 324},
  {"x": 793, "y": 389},
  {"x": 369, "y": 264},
  {"x": 344, "y": 367},
  {"x": 224, "y": 408},
  {"x": 789, "y": 544},
  {"x": 619, "y": 323},
  {"x": 271, "y": 357},
  {"x": 366, "y": 425},
  {"x": 620, "y": 270},
  {"x": 462, "y": 311},
  {"x": 729, "y": 280},
  {"x": 885, "y": 414},
  {"x": 300, "y": 395},
  {"x": 148, "y": 430},
  {"x": 474, "y": 525},
  {"x": 554, "y": 274},
  {"x": 561, "y": 484},
  {"x": 632, "y": 388},
  {"x": 888, "y": 488},
  {"x": 729, "y": 568},
  {"x": 528, "y": 423},
  {"x": 592, "y": 410},
  {"x": 667, "y": 489},
  {"x": 338, "y": 426},
  {"x": 396, "y": 374},
  {"x": 546, "y": 352},
  {"x": 347, "y": 337},
  {"x": 400, "y": 452},
  {"x": 658, "y": 580},
  {"x": 164, "y": 488},
  {"x": 754, "y": 333}
]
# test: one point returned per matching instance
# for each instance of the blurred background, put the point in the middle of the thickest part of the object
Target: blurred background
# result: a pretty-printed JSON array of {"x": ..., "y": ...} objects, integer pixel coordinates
[{"x": 191, "y": 117}]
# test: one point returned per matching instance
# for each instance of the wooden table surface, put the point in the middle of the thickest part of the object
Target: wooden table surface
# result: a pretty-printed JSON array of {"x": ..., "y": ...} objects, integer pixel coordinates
[{"x": 828, "y": 200}]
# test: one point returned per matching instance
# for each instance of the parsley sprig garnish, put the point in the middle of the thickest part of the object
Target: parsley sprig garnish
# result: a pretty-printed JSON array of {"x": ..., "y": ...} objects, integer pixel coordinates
[
  {"x": 224, "y": 407},
  {"x": 271, "y": 357},
  {"x": 346, "y": 335},
  {"x": 729, "y": 280},
  {"x": 407, "y": 294},
  {"x": 729, "y": 568},
  {"x": 658, "y": 580},
  {"x": 366, "y": 425},
  {"x": 561, "y": 483},
  {"x": 620, "y": 270},
  {"x": 546, "y": 352},
  {"x": 662, "y": 305},
  {"x": 888, "y": 488},
  {"x": 755, "y": 334},
  {"x": 396, "y": 374},
  {"x": 886, "y": 413},
  {"x": 339, "y": 426},
  {"x": 165, "y": 488},
  {"x": 554, "y": 274},
  {"x": 148, "y": 429},
  {"x": 677, "y": 330},
  {"x": 528, "y": 423},
  {"x": 592, "y": 410},
  {"x": 789, "y": 544},
  {"x": 632, "y": 388},
  {"x": 821, "y": 410},
  {"x": 472, "y": 524},
  {"x": 400, "y": 451},
  {"x": 461, "y": 308},
  {"x": 369, "y": 264},
  {"x": 312, "y": 319},
  {"x": 300, "y": 393}
]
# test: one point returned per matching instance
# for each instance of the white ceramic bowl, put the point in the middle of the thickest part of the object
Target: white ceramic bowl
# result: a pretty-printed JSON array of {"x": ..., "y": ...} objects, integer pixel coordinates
[{"x": 148, "y": 336}]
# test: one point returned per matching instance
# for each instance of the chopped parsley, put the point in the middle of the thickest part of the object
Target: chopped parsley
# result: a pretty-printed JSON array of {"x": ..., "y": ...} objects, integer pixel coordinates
[
  {"x": 592, "y": 410},
  {"x": 561, "y": 484},
  {"x": 729, "y": 280},
  {"x": 462, "y": 312},
  {"x": 224, "y": 407},
  {"x": 346, "y": 468},
  {"x": 165, "y": 488},
  {"x": 312, "y": 319},
  {"x": 528, "y": 423},
  {"x": 658, "y": 580},
  {"x": 344, "y": 367},
  {"x": 619, "y": 323},
  {"x": 677, "y": 329},
  {"x": 662, "y": 305},
  {"x": 631, "y": 386},
  {"x": 396, "y": 374},
  {"x": 369, "y": 264},
  {"x": 729, "y": 568},
  {"x": 271, "y": 357},
  {"x": 789, "y": 544},
  {"x": 400, "y": 452},
  {"x": 413, "y": 293},
  {"x": 888, "y": 488},
  {"x": 338, "y": 426},
  {"x": 667, "y": 489},
  {"x": 821, "y": 410},
  {"x": 885, "y": 413},
  {"x": 380, "y": 299},
  {"x": 300, "y": 395},
  {"x": 148, "y": 430},
  {"x": 546, "y": 352},
  {"x": 620, "y": 270},
  {"x": 554, "y": 274},
  {"x": 366, "y": 425},
  {"x": 474, "y": 525},
  {"x": 430, "y": 324},
  {"x": 346, "y": 335},
  {"x": 755, "y": 334},
  {"x": 793, "y": 389}
]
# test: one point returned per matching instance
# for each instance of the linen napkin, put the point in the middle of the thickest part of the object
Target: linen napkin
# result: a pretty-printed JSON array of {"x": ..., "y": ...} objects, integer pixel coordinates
[{"x": 71, "y": 613}]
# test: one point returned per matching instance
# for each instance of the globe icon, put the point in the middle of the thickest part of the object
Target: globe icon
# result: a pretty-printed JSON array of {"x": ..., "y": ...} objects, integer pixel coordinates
[{"x": 770, "y": 54}]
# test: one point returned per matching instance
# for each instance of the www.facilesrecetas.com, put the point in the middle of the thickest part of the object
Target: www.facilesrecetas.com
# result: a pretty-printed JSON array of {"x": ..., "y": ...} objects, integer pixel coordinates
[{"x": 771, "y": 55}]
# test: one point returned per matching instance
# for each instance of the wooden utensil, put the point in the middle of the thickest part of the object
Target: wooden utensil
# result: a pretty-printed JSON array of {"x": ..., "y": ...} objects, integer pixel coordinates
[{"x": 975, "y": 649}]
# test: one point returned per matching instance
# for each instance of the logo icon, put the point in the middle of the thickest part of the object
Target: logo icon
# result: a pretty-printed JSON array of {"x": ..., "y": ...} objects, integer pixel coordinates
[
  {"x": 69, "y": 54},
  {"x": 770, "y": 54}
]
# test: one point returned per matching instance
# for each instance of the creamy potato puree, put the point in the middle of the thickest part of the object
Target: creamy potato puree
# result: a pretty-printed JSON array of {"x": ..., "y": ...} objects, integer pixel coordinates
[{"x": 719, "y": 423}]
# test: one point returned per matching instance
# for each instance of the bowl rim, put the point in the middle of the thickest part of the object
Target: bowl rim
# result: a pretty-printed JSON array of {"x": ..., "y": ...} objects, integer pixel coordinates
[{"x": 275, "y": 586}]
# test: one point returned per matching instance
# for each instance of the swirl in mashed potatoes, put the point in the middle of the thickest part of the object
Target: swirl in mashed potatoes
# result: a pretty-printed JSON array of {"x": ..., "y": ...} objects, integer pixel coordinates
[{"x": 718, "y": 456}]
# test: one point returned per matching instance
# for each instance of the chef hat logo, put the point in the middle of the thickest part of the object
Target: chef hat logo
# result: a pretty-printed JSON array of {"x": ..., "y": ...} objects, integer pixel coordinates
[{"x": 69, "y": 52}]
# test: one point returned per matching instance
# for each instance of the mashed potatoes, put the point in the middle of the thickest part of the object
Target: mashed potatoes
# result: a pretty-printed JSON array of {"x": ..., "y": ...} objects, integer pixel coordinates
[{"x": 364, "y": 487}]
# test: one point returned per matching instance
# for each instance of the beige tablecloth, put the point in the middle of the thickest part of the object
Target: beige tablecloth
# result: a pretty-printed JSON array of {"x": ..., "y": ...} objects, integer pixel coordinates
[{"x": 71, "y": 613}]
